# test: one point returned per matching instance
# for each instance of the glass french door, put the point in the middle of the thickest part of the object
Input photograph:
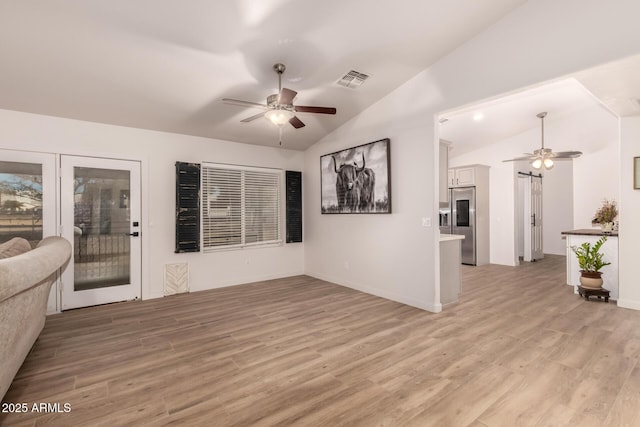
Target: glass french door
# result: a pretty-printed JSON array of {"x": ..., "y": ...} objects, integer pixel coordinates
[
  {"x": 28, "y": 199},
  {"x": 100, "y": 212}
]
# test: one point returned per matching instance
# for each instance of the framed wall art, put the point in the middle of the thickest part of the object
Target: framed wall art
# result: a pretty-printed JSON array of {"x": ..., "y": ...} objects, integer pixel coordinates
[{"x": 357, "y": 180}]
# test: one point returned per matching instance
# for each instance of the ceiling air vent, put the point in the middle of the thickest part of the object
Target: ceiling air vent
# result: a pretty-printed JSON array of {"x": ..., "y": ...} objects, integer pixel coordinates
[{"x": 352, "y": 79}]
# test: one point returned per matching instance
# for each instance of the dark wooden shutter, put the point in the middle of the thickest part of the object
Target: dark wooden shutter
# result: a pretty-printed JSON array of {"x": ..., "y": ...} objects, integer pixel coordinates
[
  {"x": 294, "y": 206},
  {"x": 187, "y": 207}
]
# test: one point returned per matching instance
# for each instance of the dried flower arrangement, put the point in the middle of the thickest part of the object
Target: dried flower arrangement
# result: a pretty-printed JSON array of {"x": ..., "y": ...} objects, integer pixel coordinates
[{"x": 607, "y": 212}]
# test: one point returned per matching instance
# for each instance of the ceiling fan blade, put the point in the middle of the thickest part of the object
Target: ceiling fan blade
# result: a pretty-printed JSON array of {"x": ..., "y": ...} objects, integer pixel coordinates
[
  {"x": 244, "y": 103},
  {"x": 517, "y": 159},
  {"x": 296, "y": 122},
  {"x": 252, "y": 118},
  {"x": 286, "y": 96},
  {"x": 319, "y": 110},
  {"x": 567, "y": 154}
]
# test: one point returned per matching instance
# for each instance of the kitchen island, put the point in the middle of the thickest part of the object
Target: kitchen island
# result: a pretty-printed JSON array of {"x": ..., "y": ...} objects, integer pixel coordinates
[
  {"x": 609, "y": 249},
  {"x": 450, "y": 268}
]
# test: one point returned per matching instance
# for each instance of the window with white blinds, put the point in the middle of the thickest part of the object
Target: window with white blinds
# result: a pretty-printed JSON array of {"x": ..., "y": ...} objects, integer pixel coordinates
[{"x": 240, "y": 206}]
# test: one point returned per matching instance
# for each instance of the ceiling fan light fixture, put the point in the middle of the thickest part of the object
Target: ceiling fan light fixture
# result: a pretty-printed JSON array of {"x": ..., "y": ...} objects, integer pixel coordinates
[
  {"x": 548, "y": 163},
  {"x": 544, "y": 156},
  {"x": 537, "y": 163},
  {"x": 279, "y": 117}
]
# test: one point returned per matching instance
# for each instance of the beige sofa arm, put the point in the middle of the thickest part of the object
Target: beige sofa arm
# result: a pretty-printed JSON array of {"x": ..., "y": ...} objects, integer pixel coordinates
[{"x": 25, "y": 271}]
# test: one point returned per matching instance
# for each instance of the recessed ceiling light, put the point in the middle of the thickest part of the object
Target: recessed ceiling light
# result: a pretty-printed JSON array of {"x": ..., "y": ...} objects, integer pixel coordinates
[{"x": 478, "y": 117}]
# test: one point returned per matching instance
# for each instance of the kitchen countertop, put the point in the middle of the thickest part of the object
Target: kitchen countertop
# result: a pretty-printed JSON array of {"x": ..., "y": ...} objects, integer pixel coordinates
[
  {"x": 449, "y": 237},
  {"x": 590, "y": 232}
]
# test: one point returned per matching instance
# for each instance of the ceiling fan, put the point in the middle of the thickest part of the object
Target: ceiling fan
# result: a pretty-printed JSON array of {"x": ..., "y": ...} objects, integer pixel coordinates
[
  {"x": 279, "y": 108},
  {"x": 545, "y": 156}
]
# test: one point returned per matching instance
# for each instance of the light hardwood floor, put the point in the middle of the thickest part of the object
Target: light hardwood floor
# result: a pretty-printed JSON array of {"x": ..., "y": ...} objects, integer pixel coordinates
[{"x": 518, "y": 349}]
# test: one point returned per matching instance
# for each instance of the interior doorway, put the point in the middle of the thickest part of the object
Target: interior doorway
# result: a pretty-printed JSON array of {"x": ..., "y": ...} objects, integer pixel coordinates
[{"x": 529, "y": 215}]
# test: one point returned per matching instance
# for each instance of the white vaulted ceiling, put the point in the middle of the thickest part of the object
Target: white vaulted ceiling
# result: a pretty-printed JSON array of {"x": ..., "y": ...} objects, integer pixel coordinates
[
  {"x": 165, "y": 65},
  {"x": 512, "y": 114},
  {"x": 613, "y": 89}
]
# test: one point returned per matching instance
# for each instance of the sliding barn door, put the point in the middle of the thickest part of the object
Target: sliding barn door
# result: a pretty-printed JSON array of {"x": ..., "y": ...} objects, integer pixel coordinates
[{"x": 533, "y": 219}]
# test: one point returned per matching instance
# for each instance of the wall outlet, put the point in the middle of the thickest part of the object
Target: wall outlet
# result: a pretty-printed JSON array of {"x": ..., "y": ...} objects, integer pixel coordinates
[
  {"x": 426, "y": 222},
  {"x": 346, "y": 265}
]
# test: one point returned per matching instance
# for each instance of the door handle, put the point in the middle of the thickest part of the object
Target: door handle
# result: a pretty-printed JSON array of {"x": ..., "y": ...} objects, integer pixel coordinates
[
  {"x": 134, "y": 234},
  {"x": 533, "y": 218}
]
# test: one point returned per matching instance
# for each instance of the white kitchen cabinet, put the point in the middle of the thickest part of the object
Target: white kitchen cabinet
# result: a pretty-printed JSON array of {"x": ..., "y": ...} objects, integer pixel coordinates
[
  {"x": 462, "y": 177},
  {"x": 450, "y": 268},
  {"x": 465, "y": 176}
]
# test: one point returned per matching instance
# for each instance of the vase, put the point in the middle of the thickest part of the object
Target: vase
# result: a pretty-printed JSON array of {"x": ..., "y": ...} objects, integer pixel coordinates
[
  {"x": 606, "y": 227},
  {"x": 591, "y": 279}
]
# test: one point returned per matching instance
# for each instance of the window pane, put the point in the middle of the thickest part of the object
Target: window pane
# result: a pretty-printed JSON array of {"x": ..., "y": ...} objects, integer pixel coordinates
[
  {"x": 21, "y": 201},
  {"x": 261, "y": 207},
  {"x": 222, "y": 207},
  {"x": 101, "y": 228},
  {"x": 240, "y": 207}
]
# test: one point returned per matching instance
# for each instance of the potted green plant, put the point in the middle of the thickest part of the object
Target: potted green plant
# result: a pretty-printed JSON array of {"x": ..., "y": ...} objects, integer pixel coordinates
[
  {"x": 591, "y": 261},
  {"x": 605, "y": 215}
]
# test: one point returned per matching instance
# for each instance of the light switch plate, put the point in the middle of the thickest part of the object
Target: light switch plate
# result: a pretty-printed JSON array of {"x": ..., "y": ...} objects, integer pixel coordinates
[{"x": 426, "y": 222}]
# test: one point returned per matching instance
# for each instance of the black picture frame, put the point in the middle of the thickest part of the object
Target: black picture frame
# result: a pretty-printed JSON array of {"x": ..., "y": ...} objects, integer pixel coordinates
[{"x": 357, "y": 180}]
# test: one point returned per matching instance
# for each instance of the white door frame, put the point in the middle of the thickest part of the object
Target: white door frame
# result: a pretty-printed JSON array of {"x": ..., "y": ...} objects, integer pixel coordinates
[
  {"x": 70, "y": 298},
  {"x": 537, "y": 250}
]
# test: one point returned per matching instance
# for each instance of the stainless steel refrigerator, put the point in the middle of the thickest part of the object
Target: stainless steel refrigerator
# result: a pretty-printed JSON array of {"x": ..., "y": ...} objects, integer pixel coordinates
[{"x": 460, "y": 218}]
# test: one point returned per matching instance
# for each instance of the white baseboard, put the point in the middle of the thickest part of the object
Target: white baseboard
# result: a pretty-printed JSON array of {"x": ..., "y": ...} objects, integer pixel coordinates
[
  {"x": 628, "y": 303},
  {"x": 432, "y": 307}
]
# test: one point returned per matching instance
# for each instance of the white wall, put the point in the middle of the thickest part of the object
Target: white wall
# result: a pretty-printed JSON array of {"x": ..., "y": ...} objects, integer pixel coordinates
[
  {"x": 557, "y": 206},
  {"x": 629, "y": 227},
  {"x": 392, "y": 255},
  {"x": 158, "y": 152},
  {"x": 387, "y": 255},
  {"x": 596, "y": 178}
]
